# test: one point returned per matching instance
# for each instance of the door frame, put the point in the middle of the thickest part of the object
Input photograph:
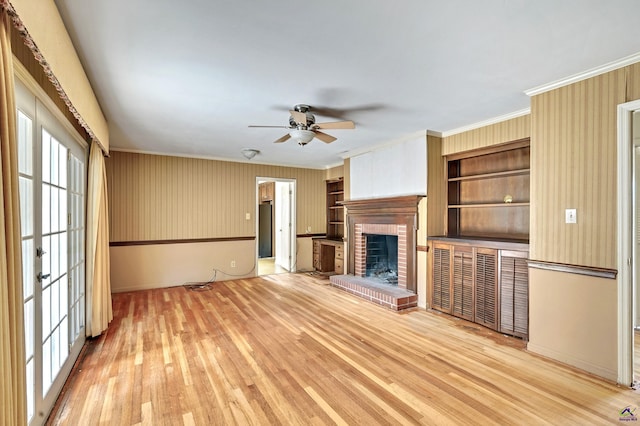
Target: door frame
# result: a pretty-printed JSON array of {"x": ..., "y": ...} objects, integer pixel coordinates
[
  {"x": 626, "y": 248},
  {"x": 62, "y": 124},
  {"x": 293, "y": 214}
]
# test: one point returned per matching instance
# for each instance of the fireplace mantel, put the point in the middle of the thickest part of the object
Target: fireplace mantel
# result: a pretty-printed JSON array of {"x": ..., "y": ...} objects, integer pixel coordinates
[
  {"x": 399, "y": 205},
  {"x": 401, "y": 211}
]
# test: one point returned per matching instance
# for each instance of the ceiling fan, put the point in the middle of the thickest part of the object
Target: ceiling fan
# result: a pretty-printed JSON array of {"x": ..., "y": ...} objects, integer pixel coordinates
[{"x": 303, "y": 126}]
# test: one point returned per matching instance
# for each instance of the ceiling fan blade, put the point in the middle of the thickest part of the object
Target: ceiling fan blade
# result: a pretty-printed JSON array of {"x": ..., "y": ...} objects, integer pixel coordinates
[
  {"x": 335, "y": 125},
  {"x": 283, "y": 139},
  {"x": 299, "y": 117},
  {"x": 275, "y": 127},
  {"x": 324, "y": 137}
]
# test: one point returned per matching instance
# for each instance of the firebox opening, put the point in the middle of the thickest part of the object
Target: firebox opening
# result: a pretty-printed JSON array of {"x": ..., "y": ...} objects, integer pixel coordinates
[{"x": 382, "y": 258}]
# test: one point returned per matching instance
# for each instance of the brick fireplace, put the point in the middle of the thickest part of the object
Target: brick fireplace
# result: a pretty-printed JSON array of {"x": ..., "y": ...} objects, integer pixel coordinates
[{"x": 397, "y": 216}]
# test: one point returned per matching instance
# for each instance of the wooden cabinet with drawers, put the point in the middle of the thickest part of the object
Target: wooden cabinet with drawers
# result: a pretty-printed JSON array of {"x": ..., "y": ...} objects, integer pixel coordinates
[{"x": 328, "y": 256}]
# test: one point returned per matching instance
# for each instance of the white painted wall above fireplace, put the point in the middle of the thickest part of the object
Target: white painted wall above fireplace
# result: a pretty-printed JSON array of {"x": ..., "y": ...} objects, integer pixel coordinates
[{"x": 393, "y": 170}]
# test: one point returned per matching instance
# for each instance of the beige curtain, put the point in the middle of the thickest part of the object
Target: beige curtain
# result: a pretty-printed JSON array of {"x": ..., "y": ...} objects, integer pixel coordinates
[
  {"x": 13, "y": 401},
  {"x": 99, "y": 309}
]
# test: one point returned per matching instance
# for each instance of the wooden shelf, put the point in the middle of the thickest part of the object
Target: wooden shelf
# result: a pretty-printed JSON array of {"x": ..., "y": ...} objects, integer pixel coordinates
[
  {"x": 519, "y": 172},
  {"x": 335, "y": 210},
  {"x": 477, "y": 181},
  {"x": 466, "y": 206}
]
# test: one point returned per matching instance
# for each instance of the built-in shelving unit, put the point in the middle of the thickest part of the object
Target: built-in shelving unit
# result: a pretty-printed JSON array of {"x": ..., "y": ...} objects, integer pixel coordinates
[
  {"x": 479, "y": 268},
  {"x": 488, "y": 192},
  {"x": 335, "y": 210}
]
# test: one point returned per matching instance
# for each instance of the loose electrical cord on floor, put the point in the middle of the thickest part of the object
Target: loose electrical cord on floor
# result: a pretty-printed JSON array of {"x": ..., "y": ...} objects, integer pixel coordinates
[{"x": 204, "y": 286}]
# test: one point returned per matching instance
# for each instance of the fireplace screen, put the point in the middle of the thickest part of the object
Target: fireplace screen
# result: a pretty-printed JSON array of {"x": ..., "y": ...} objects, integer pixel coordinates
[{"x": 382, "y": 258}]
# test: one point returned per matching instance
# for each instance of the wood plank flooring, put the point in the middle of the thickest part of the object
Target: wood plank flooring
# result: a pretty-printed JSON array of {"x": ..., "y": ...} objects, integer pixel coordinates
[{"x": 290, "y": 349}]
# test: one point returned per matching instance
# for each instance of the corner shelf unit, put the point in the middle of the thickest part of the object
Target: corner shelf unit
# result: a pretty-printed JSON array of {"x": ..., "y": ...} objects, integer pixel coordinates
[{"x": 488, "y": 192}]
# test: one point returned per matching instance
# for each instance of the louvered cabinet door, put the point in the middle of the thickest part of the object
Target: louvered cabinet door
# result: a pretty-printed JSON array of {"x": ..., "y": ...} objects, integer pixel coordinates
[
  {"x": 486, "y": 291},
  {"x": 441, "y": 279},
  {"x": 514, "y": 293},
  {"x": 463, "y": 282}
]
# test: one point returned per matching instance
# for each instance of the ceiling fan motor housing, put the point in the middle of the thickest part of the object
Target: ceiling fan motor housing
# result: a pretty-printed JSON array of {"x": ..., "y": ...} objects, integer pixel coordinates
[{"x": 311, "y": 120}]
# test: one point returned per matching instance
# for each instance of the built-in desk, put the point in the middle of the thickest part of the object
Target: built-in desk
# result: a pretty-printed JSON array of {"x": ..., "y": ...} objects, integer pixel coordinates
[{"x": 328, "y": 256}]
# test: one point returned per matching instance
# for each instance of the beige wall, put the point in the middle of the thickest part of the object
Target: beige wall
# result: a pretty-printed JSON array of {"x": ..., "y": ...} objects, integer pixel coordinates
[
  {"x": 505, "y": 131},
  {"x": 573, "y": 319},
  {"x": 143, "y": 267},
  {"x": 154, "y": 197},
  {"x": 44, "y": 24},
  {"x": 436, "y": 187},
  {"x": 574, "y": 165},
  {"x": 432, "y": 217}
]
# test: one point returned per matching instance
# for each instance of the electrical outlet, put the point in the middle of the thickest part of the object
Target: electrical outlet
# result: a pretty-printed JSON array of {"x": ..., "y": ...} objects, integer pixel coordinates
[
  {"x": 233, "y": 263},
  {"x": 247, "y": 216}
]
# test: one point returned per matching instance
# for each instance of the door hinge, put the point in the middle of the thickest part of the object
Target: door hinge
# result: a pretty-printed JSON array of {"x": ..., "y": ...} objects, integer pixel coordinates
[{"x": 69, "y": 219}]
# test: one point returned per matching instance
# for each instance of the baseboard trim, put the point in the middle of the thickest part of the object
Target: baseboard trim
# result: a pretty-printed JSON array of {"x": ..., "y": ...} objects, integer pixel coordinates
[{"x": 598, "y": 370}]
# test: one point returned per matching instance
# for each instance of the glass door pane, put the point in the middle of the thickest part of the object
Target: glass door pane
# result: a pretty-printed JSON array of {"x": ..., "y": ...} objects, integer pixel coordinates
[
  {"x": 52, "y": 177},
  {"x": 25, "y": 168}
]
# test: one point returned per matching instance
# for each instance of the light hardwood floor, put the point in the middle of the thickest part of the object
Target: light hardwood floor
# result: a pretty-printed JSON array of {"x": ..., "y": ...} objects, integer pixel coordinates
[
  {"x": 290, "y": 349},
  {"x": 267, "y": 266}
]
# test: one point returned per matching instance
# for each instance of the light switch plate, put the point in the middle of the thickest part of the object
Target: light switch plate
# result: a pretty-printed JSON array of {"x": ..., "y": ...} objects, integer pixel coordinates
[
  {"x": 571, "y": 216},
  {"x": 247, "y": 216}
]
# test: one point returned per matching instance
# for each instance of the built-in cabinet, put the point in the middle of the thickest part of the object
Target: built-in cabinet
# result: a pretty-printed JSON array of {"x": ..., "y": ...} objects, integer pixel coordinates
[
  {"x": 266, "y": 191},
  {"x": 482, "y": 281},
  {"x": 328, "y": 256},
  {"x": 479, "y": 268},
  {"x": 328, "y": 253}
]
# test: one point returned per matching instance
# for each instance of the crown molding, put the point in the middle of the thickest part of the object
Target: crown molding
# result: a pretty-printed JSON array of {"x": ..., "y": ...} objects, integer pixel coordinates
[
  {"x": 611, "y": 66},
  {"x": 485, "y": 123}
]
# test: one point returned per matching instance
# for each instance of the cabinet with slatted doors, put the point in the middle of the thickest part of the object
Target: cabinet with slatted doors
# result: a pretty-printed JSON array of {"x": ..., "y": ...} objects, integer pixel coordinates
[
  {"x": 486, "y": 287},
  {"x": 452, "y": 288},
  {"x": 483, "y": 281},
  {"x": 441, "y": 278},
  {"x": 514, "y": 293},
  {"x": 462, "y": 285}
]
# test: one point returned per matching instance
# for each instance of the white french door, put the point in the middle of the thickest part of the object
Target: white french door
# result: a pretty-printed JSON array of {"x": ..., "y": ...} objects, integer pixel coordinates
[{"x": 52, "y": 209}]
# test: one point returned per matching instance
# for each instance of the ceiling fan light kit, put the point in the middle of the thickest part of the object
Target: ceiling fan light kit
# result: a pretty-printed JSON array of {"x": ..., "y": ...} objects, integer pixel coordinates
[
  {"x": 303, "y": 137},
  {"x": 303, "y": 126}
]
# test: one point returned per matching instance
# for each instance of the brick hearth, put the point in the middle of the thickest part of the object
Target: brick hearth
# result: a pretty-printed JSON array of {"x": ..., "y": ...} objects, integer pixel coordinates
[{"x": 391, "y": 297}]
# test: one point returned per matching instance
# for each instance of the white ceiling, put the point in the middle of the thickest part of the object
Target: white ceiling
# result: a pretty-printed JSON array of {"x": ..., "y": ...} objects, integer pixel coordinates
[{"x": 188, "y": 77}]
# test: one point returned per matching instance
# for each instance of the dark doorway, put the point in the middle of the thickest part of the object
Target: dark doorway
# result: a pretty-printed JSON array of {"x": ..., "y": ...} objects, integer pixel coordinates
[{"x": 265, "y": 231}]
